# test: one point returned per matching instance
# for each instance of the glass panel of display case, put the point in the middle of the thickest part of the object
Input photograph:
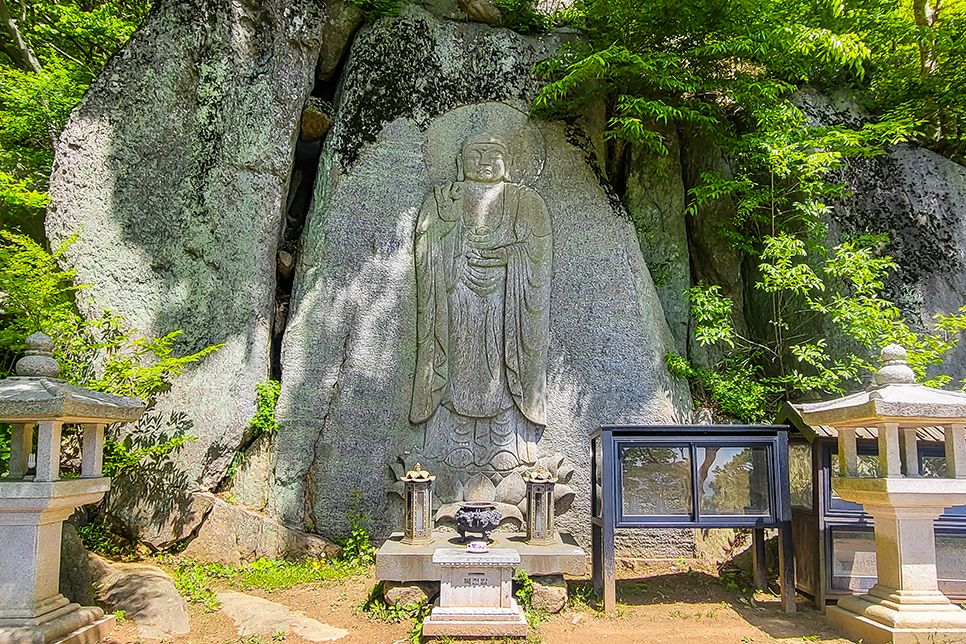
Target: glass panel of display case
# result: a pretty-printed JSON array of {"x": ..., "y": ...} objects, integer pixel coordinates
[
  {"x": 933, "y": 466},
  {"x": 733, "y": 480},
  {"x": 868, "y": 466},
  {"x": 655, "y": 481},
  {"x": 951, "y": 564},
  {"x": 800, "y": 474},
  {"x": 853, "y": 559}
]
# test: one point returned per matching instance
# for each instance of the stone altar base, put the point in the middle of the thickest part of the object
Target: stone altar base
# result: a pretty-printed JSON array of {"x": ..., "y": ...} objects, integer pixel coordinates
[
  {"x": 70, "y": 624},
  {"x": 468, "y": 622},
  {"x": 476, "y": 595},
  {"x": 886, "y": 616},
  {"x": 397, "y": 561}
]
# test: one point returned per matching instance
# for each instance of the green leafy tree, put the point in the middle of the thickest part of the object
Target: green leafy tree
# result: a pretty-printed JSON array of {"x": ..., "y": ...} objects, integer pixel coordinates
[
  {"x": 35, "y": 295},
  {"x": 49, "y": 54}
]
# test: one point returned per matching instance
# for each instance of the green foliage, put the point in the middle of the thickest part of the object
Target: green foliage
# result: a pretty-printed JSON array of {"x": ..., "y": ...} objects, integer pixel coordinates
[
  {"x": 266, "y": 397},
  {"x": 375, "y": 9},
  {"x": 71, "y": 42},
  {"x": 522, "y": 16},
  {"x": 357, "y": 550},
  {"x": 193, "y": 581},
  {"x": 736, "y": 389},
  {"x": 696, "y": 63},
  {"x": 844, "y": 289},
  {"x": 97, "y": 538},
  {"x": 34, "y": 296},
  {"x": 375, "y": 608},
  {"x": 197, "y": 581},
  {"x": 524, "y": 594},
  {"x": 279, "y": 575},
  {"x": 5, "y": 431}
]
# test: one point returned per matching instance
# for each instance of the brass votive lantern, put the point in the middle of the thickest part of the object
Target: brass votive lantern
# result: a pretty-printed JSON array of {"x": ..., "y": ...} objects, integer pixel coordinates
[
  {"x": 540, "y": 484},
  {"x": 418, "y": 527}
]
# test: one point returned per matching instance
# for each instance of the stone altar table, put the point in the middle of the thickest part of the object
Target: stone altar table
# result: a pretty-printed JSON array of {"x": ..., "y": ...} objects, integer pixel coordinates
[
  {"x": 396, "y": 561},
  {"x": 476, "y": 595},
  {"x": 34, "y": 506}
]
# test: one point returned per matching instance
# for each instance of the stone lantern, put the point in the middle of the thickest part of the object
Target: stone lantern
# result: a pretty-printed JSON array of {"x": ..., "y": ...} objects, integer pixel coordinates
[
  {"x": 540, "y": 507},
  {"x": 418, "y": 526},
  {"x": 905, "y": 605},
  {"x": 33, "y": 506}
]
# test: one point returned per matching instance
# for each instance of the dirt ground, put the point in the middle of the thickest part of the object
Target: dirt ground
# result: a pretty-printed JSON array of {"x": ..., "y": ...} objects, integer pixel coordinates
[{"x": 666, "y": 604}]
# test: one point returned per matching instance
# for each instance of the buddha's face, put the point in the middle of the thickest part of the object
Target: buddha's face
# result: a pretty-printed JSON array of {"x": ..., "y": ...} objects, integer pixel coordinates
[{"x": 484, "y": 162}]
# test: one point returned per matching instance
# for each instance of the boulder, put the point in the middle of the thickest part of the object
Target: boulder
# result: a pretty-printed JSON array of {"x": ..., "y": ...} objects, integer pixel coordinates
[
  {"x": 249, "y": 484},
  {"x": 76, "y": 580},
  {"x": 397, "y": 593},
  {"x": 341, "y": 21},
  {"x": 152, "y": 505},
  {"x": 349, "y": 349},
  {"x": 146, "y": 594},
  {"x": 654, "y": 197},
  {"x": 919, "y": 198},
  {"x": 549, "y": 593},
  {"x": 314, "y": 125},
  {"x": 172, "y": 172},
  {"x": 234, "y": 535}
]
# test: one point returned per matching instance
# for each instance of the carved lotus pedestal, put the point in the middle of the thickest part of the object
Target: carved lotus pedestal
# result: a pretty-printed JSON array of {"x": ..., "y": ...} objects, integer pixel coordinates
[{"x": 905, "y": 606}]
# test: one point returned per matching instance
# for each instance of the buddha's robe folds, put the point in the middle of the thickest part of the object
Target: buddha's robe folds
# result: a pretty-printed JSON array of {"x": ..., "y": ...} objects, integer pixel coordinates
[{"x": 482, "y": 331}]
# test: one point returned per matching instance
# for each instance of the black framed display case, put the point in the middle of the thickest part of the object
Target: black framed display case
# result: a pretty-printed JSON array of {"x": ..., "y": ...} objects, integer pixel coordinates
[{"x": 689, "y": 476}]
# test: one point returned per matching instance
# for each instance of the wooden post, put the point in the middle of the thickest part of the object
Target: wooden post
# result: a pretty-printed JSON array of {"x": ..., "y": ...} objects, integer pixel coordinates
[
  {"x": 759, "y": 560},
  {"x": 786, "y": 549}
]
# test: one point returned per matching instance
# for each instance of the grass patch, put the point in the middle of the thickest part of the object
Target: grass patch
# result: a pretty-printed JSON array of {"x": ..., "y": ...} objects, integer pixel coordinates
[
  {"x": 195, "y": 581},
  {"x": 280, "y": 575}
]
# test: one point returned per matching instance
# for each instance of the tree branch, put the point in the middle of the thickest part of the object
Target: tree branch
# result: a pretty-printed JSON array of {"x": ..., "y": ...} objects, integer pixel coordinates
[{"x": 21, "y": 53}]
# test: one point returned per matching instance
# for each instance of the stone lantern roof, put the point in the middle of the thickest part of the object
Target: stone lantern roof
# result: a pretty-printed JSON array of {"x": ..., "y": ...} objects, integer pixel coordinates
[
  {"x": 896, "y": 398},
  {"x": 36, "y": 393}
]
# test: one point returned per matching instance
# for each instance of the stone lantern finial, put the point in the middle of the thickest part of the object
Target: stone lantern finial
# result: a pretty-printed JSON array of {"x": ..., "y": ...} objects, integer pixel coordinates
[
  {"x": 895, "y": 370},
  {"x": 39, "y": 361}
]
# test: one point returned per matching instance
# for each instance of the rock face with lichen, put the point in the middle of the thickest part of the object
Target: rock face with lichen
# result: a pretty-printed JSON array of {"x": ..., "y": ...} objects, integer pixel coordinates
[{"x": 173, "y": 174}]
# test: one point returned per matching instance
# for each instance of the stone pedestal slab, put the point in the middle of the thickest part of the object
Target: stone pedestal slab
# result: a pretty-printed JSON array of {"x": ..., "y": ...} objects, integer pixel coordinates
[
  {"x": 476, "y": 595},
  {"x": 397, "y": 561},
  {"x": 72, "y": 624}
]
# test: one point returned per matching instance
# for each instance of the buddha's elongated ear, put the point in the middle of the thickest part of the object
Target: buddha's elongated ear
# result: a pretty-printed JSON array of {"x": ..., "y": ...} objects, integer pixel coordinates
[{"x": 459, "y": 167}]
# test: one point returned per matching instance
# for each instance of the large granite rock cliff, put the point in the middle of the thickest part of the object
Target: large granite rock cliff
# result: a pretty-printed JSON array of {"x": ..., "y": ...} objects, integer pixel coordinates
[{"x": 182, "y": 176}]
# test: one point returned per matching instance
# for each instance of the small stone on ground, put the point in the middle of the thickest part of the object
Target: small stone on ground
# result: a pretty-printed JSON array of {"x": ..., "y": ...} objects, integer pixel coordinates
[{"x": 254, "y": 616}]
